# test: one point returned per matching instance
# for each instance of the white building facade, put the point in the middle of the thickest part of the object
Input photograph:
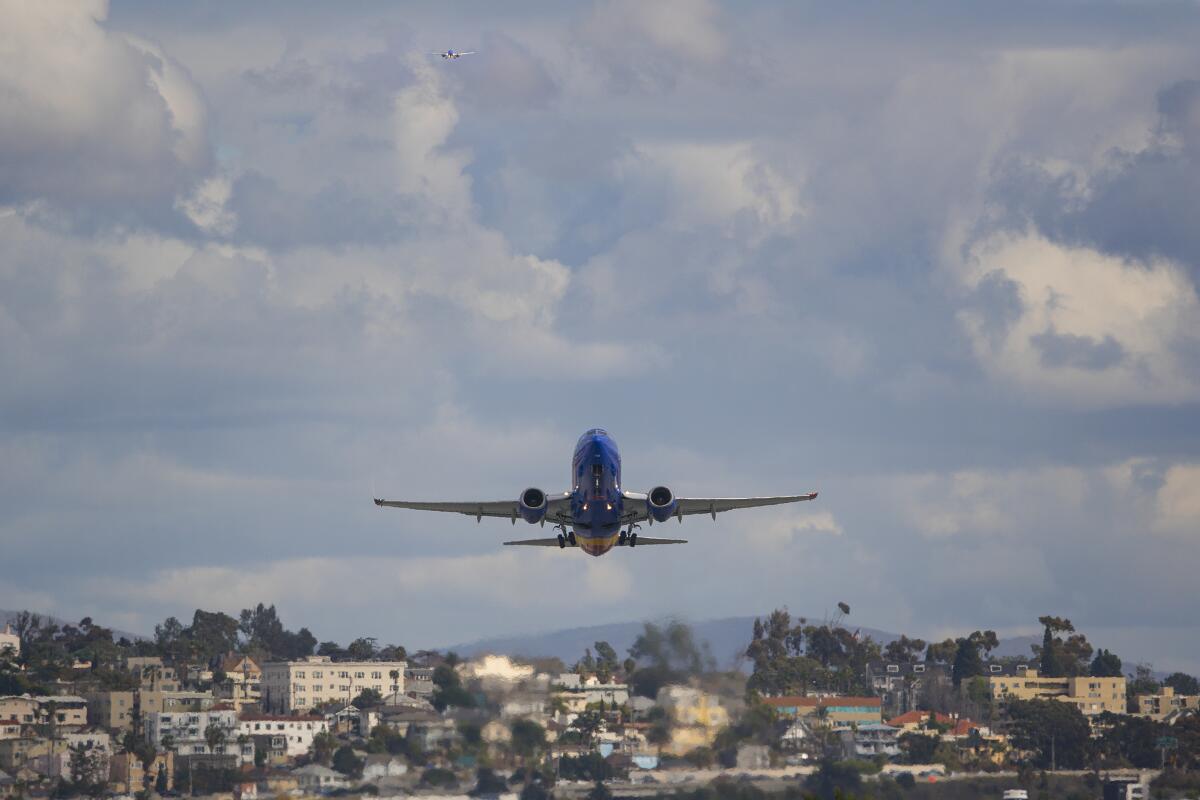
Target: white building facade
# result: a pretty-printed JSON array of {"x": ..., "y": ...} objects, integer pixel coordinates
[
  {"x": 299, "y": 732},
  {"x": 296, "y": 687},
  {"x": 188, "y": 731}
]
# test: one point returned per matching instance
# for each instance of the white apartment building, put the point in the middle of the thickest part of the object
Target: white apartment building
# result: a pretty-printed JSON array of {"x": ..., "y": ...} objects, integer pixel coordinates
[
  {"x": 295, "y": 687},
  {"x": 188, "y": 729},
  {"x": 297, "y": 731}
]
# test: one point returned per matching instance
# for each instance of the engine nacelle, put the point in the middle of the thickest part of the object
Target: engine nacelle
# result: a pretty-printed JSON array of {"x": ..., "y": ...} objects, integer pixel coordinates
[
  {"x": 533, "y": 505},
  {"x": 660, "y": 503}
]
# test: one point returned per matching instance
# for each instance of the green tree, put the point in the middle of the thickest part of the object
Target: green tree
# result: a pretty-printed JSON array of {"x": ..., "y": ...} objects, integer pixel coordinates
[
  {"x": 1104, "y": 665},
  {"x": 346, "y": 762},
  {"x": 903, "y": 650},
  {"x": 487, "y": 783},
  {"x": 918, "y": 748},
  {"x": 448, "y": 689},
  {"x": 1183, "y": 683},
  {"x": 1055, "y": 732},
  {"x": 362, "y": 649},
  {"x": 528, "y": 738},
  {"x": 599, "y": 792},
  {"x": 367, "y": 698},
  {"x": 589, "y": 723},
  {"x": 322, "y": 747},
  {"x": 1130, "y": 741},
  {"x": 967, "y": 660},
  {"x": 214, "y": 736},
  {"x": 834, "y": 779},
  {"x": 1059, "y": 656}
]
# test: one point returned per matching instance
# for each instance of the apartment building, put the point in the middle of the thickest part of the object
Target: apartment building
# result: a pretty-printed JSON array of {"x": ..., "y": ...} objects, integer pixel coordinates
[
  {"x": 297, "y": 733},
  {"x": 830, "y": 711},
  {"x": 111, "y": 710},
  {"x": 1092, "y": 695},
  {"x": 1166, "y": 702},
  {"x": 290, "y": 687},
  {"x": 188, "y": 731}
]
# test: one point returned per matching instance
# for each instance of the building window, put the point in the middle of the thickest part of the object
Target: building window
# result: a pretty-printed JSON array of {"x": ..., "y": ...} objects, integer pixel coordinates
[
  {"x": 376, "y": 674},
  {"x": 360, "y": 675},
  {"x": 893, "y": 667},
  {"x": 918, "y": 667}
]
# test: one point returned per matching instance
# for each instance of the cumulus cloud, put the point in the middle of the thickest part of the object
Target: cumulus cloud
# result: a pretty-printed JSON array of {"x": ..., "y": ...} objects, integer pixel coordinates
[
  {"x": 101, "y": 127},
  {"x": 1093, "y": 329}
]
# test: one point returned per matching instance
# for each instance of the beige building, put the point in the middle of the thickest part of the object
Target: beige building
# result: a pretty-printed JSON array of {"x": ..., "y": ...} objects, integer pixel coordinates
[
  {"x": 111, "y": 710},
  {"x": 151, "y": 674},
  {"x": 152, "y": 702},
  {"x": 243, "y": 681},
  {"x": 9, "y": 639},
  {"x": 696, "y": 718},
  {"x": 22, "y": 708},
  {"x": 1092, "y": 695},
  {"x": 292, "y": 687},
  {"x": 1160, "y": 706}
]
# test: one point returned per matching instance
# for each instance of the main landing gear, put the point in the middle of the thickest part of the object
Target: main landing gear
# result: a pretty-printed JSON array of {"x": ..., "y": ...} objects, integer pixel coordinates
[
  {"x": 628, "y": 538},
  {"x": 565, "y": 538}
]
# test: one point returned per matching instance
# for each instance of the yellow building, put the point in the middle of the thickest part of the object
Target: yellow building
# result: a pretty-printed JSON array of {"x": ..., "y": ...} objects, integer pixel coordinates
[
  {"x": 1159, "y": 706},
  {"x": 111, "y": 710},
  {"x": 1092, "y": 695},
  {"x": 696, "y": 718},
  {"x": 831, "y": 711}
]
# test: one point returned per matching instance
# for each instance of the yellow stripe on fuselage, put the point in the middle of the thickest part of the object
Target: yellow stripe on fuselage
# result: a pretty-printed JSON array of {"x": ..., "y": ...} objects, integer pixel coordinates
[{"x": 597, "y": 546}]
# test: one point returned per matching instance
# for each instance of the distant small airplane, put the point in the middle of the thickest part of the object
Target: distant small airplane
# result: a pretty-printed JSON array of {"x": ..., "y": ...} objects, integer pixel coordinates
[
  {"x": 451, "y": 55},
  {"x": 597, "y": 514}
]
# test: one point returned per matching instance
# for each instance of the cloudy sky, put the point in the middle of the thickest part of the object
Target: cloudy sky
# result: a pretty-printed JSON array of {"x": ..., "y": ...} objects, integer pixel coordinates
[{"x": 941, "y": 264}]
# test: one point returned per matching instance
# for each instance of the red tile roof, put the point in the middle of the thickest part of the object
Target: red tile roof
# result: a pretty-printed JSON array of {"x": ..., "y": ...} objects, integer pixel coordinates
[{"x": 819, "y": 702}]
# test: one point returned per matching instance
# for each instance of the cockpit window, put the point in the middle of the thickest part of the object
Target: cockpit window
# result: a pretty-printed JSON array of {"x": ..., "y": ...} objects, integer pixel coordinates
[{"x": 597, "y": 432}]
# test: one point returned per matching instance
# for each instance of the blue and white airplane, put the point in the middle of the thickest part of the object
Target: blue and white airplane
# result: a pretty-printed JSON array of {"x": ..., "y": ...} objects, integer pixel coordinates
[
  {"x": 597, "y": 514},
  {"x": 450, "y": 55}
]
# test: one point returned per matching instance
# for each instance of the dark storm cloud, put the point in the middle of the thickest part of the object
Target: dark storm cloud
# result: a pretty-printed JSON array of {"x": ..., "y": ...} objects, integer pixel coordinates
[{"x": 1141, "y": 204}]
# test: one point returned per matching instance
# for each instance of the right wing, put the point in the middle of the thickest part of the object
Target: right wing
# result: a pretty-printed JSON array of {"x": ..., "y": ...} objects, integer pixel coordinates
[
  {"x": 642, "y": 541},
  {"x": 558, "y": 507},
  {"x": 542, "y": 543},
  {"x": 635, "y": 505}
]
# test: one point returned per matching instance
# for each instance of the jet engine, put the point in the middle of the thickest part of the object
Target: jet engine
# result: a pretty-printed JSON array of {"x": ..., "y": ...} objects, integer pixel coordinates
[
  {"x": 660, "y": 503},
  {"x": 532, "y": 505}
]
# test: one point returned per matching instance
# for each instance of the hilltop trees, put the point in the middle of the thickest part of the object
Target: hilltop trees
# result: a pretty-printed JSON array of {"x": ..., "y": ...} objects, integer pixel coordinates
[
  {"x": 967, "y": 661},
  {"x": 665, "y": 654},
  {"x": 800, "y": 658},
  {"x": 1056, "y": 733},
  {"x": 1059, "y": 657}
]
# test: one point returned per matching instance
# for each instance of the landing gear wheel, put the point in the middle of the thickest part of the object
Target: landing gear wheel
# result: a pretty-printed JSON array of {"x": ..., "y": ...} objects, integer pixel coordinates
[
  {"x": 571, "y": 538},
  {"x": 621, "y": 540},
  {"x": 562, "y": 542},
  {"x": 633, "y": 540}
]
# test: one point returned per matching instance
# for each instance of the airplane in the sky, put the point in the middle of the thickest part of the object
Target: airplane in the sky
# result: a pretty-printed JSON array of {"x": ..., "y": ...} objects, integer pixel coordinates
[
  {"x": 597, "y": 514},
  {"x": 451, "y": 55}
]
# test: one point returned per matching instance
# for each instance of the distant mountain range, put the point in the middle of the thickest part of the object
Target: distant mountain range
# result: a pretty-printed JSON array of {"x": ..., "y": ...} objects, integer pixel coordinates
[{"x": 727, "y": 639}]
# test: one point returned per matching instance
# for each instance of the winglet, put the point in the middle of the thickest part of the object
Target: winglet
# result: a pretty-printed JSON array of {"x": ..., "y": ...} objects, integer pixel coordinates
[{"x": 378, "y": 502}]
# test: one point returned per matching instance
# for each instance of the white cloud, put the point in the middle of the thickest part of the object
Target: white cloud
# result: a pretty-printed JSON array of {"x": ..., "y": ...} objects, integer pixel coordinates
[
  {"x": 689, "y": 29},
  {"x": 90, "y": 116},
  {"x": 1093, "y": 330}
]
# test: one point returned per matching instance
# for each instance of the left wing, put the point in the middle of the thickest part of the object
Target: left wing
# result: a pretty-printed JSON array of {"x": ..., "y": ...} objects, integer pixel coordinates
[
  {"x": 558, "y": 506},
  {"x": 635, "y": 504}
]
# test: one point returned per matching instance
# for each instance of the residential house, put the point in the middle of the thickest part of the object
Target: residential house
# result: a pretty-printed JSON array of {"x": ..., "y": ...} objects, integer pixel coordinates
[
  {"x": 696, "y": 717},
  {"x": 127, "y": 774},
  {"x": 22, "y": 708},
  {"x": 113, "y": 711},
  {"x": 16, "y": 753},
  {"x": 869, "y": 741},
  {"x": 290, "y": 687},
  {"x": 1160, "y": 706},
  {"x": 52, "y": 757},
  {"x": 243, "y": 681},
  {"x": 829, "y": 711},
  {"x": 151, "y": 674},
  {"x": 918, "y": 721},
  {"x": 383, "y": 765},
  {"x": 10, "y": 729},
  {"x": 316, "y": 778},
  {"x": 590, "y": 692},
  {"x": 8, "y": 785},
  {"x": 1093, "y": 696},
  {"x": 418, "y": 681},
  {"x": 298, "y": 732},
  {"x": 433, "y": 733},
  {"x": 62, "y": 712}
]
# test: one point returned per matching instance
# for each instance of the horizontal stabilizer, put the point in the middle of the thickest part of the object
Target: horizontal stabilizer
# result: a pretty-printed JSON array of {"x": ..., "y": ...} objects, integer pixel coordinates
[
  {"x": 540, "y": 543},
  {"x": 642, "y": 541}
]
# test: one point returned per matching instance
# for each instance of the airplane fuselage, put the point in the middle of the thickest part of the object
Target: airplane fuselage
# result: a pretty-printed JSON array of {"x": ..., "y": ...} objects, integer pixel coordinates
[{"x": 596, "y": 501}]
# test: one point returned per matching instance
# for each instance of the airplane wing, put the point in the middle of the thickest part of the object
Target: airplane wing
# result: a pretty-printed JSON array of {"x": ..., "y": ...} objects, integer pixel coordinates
[
  {"x": 468, "y": 53},
  {"x": 541, "y": 543},
  {"x": 642, "y": 541},
  {"x": 558, "y": 507},
  {"x": 635, "y": 505}
]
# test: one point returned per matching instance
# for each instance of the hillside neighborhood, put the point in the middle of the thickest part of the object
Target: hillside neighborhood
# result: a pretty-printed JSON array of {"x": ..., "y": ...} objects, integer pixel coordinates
[{"x": 246, "y": 708}]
